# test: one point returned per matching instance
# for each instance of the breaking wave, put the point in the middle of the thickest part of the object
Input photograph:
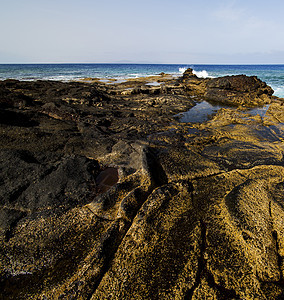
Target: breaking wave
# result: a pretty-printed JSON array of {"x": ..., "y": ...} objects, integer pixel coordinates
[
  {"x": 182, "y": 70},
  {"x": 278, "y": 91},
  {"x": 201, "y": 74}
]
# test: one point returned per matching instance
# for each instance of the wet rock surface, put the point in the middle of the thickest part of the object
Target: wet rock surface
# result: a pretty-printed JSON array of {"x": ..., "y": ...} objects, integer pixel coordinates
[{"x": 106, "y": 195}]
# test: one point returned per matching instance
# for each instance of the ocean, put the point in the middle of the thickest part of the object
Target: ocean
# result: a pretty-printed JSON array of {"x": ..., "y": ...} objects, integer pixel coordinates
[{"x": 273, "y": 75}]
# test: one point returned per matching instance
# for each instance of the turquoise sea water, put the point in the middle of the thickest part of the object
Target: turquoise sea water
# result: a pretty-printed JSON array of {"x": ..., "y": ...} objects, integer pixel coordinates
[{"x": 273, "y": 75}]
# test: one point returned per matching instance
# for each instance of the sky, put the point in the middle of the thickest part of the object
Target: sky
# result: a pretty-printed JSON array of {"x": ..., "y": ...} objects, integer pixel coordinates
[{"x": 148, "y": 31}]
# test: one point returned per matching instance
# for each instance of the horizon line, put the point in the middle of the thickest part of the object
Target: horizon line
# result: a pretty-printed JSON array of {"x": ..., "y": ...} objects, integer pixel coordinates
[{"x": 129, "y": 63}]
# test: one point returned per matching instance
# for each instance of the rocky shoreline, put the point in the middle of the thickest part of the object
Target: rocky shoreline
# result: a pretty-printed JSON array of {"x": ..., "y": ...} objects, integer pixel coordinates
[{"x": 105, "y": 194}]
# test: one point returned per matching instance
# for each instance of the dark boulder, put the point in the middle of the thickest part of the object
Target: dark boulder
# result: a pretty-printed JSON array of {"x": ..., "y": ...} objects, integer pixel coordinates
[
  {"x": 239, "y": 90},
  {"x": 35, "y": 183},
  {"x": 17, "y": 99},
  {"x": 188, "y": 74}
]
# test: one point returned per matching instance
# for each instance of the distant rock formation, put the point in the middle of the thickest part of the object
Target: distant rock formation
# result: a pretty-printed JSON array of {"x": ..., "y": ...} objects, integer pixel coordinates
[{"x": 188, "y": 74}]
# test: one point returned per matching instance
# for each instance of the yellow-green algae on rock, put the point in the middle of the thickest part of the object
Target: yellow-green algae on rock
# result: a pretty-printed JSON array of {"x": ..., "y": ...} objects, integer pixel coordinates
[{"x": 214, "y": 238}]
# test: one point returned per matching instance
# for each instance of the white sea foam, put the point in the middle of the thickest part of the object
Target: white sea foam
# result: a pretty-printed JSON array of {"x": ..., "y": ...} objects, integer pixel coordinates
[
  {"x": 278, "y": 91},
  {"x": 201, "y": 74},
  {"x": 182, "y": 70},
  {"x": 61, "y": 78},
  {"x": 136, "y": 75}
]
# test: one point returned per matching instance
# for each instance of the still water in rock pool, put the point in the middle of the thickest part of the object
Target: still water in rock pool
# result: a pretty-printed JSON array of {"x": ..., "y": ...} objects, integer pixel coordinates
[
  {"x": 199, "y": 113},
  {"x": 259, "y": 110},
  {"x": 203, "y": 110}
]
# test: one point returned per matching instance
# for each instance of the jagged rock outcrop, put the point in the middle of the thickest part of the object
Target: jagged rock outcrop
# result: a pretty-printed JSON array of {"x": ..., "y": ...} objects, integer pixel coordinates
[
  {"x": 239, "y": 90},
  {"x": 233, "y": 90},
  {"x": 188, "y": 74},
  {"x": 110, "y": 197}
]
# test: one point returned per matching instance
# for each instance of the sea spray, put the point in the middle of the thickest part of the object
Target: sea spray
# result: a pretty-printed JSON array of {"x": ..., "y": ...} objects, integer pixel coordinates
[
  {"x": 202, "y": 74},
  {"x": 182, "y": 70},
  {"x": 278, "y": 91},
  {"x": 199, "y": 74}
]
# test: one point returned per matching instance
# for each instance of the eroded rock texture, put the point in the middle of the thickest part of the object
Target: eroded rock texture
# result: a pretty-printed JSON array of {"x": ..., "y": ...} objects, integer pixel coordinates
[
  {"x": 106, "y": 195},
  {"x": 239, "y": 90}
]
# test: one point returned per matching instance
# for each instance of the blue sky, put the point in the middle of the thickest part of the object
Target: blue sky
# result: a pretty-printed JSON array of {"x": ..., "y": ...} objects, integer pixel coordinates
[{"x": 156, "y": 31}]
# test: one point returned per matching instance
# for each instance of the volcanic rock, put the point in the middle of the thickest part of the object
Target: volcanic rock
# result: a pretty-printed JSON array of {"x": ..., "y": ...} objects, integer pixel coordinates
[
  {"x": 239, "y": 90},
  {"x": 106, "y": 195},
  {"x": 188, "y": 74}
]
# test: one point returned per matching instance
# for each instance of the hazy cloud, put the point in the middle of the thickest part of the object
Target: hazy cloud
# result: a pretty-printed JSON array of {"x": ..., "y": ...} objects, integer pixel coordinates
[{"x": 229, "y": 11}]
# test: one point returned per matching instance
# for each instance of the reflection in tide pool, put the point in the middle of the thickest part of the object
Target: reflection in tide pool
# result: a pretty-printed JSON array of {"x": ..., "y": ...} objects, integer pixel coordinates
[
  {"x": 278, "y": 129},
  {"x": 259, "y": 110},
  {"x": 199, "y": 113},
  {"x": 154, "y": 83},
  {"x": 203, "y": 110}
]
